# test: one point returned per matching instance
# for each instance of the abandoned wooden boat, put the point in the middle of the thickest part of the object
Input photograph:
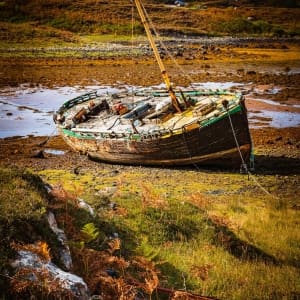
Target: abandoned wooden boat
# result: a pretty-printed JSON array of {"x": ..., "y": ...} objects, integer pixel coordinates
[{"x": 155, "y": 127}]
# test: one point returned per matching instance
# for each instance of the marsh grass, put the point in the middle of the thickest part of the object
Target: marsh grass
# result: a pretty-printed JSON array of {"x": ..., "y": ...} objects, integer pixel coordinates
[{"x": 215, "y": 234}]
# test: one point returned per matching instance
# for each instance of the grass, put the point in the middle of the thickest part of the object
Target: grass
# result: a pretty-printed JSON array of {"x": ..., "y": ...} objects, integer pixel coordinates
[
  {"x": 212, "y": 233},
  {"x": 36, "y": 22},
  {"x": 27, "y": 40},
  {"x": 244, "y": 26},
  {"x": 23, "y": 202},
  {"x": 215, "y": 234},
  {"x": 20, "y": 199},
  {"x": 112, "y": 38}
]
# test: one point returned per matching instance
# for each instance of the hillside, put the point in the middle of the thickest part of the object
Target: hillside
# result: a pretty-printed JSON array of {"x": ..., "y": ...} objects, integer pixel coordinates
[{"x": 66, "y": 20}]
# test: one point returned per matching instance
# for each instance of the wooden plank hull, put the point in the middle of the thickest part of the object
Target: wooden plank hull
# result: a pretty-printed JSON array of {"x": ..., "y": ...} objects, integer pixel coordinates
[{"x": 213, "y": 144}]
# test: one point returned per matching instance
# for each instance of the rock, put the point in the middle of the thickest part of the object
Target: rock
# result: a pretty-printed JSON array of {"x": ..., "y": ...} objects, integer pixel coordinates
[
  {"x": 113, "y": 206},
  {"x": 251, "y": 73},
  {"x": 216, "y": 192},
  {"x": 77, "y": 170},
  {"x": 67, "y": 281},
  {"x": 84, "y": 205},
  {"x": 287, "y": 69},
  {"x": 107, "y": 192},
  {"x": 39, "y": 154},
  {"x": 65, "y": 254}
]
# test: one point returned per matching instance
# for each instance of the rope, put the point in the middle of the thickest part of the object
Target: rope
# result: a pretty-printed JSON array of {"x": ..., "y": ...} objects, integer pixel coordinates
[
  {"x": 47, "y": 139},
  {"x": 165, "y": 48},
  {"x": 132, "y": 60},
  {"x": 244, "y": 165}
]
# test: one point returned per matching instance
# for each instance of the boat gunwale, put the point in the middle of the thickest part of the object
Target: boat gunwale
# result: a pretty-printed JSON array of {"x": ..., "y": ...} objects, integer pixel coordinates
[
  {"x": 156, "y": 134},
  {"x": 159, "y": 93}
]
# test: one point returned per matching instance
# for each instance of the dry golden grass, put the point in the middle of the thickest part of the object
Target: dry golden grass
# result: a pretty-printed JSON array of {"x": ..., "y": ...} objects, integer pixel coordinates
[{"x": 55, "y": 19}]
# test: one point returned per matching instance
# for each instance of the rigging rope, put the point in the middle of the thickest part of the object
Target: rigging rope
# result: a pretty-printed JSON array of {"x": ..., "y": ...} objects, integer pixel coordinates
[
  {"x": 165, "y": 48},
  {"x": 132, "y": 61}
]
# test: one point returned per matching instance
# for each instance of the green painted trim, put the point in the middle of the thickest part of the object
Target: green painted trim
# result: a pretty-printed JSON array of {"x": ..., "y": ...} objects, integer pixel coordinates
[
  {"x": 214, "y": 120},
  {"x": 71, "y": 133},
  {"x": 197, "y": 93}
]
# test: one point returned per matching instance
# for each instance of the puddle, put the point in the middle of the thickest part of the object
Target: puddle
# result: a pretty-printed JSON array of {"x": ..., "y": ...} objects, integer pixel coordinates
[
  {"x": 269, "y": 113},
  {"x": 55, "y": 151},
  {"x": 276, "y": 119},
  {"x": 217, "y": 85},
  {"x": 28, "y": 110},
  {"x": 266, "y": 89}
]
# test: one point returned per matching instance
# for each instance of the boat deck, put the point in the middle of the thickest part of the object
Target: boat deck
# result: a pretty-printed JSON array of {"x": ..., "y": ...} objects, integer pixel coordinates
[{"x": 146, "y": 113}]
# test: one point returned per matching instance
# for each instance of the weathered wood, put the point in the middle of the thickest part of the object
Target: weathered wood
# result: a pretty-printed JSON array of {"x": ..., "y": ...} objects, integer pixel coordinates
[
  {"x": 198, "y": 130},
  {"x": 213, "y": 144}
]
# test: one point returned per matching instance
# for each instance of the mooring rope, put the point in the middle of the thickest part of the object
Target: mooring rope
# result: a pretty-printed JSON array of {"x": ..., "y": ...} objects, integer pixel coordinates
[
  {"x": 47, "y": 139},
  {"x": 244, "y": 165}
]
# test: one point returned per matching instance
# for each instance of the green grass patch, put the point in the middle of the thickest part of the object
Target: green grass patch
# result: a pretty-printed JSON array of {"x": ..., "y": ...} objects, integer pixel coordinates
[
  {"x": 111, "y": 38},
  {"x": 244, "y": 26}
]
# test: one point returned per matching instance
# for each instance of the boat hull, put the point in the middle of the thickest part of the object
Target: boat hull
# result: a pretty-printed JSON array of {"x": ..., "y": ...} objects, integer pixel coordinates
[{"x": 212, "y": 144}]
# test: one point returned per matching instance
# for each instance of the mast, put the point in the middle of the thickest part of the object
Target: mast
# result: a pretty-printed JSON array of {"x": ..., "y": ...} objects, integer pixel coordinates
[{"x": 157, "y": 56}]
